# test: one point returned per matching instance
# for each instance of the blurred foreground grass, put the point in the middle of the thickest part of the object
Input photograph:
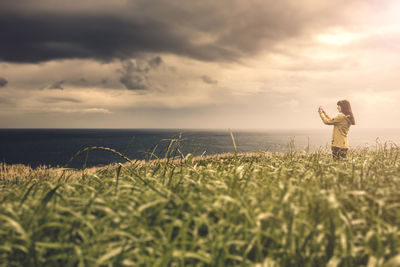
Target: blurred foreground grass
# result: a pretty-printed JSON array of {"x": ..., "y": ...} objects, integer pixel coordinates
[{"x": 262, "y": 209}]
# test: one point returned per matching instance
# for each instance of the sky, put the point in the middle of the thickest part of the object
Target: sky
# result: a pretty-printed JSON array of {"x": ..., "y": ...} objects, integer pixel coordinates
[{"x": 254, "y": 64}]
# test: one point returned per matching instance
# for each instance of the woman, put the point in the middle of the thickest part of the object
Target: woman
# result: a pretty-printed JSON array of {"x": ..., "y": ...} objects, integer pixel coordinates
[{"x": 341, "y": 125}]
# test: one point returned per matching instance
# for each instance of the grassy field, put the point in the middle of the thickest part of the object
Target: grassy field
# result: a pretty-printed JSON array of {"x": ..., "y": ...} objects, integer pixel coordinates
[{"x": 261, "y": 209}]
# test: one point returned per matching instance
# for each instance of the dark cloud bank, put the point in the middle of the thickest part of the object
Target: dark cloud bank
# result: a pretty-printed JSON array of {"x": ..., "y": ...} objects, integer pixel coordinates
[{"x": 37, "y": 31}]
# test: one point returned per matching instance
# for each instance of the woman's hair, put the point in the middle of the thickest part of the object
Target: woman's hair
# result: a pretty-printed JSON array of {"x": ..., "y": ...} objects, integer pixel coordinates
[{"x": 346, "y": 110}]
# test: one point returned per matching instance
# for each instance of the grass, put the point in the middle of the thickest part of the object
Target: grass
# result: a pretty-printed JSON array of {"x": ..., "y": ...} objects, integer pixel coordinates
[{"x": 261, "y": 209}]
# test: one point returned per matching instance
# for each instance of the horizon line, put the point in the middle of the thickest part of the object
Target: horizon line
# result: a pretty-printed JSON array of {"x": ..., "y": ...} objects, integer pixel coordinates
[{"x": 188, "y": 128}]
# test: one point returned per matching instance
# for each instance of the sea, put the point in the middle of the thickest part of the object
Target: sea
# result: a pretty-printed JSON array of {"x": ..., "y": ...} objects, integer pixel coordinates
[{"x": 55, "y": 147}]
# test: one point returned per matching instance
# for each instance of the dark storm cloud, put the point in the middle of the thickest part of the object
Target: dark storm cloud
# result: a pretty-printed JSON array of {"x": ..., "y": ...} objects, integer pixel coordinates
[
  {"x": 208, "y": 80},
  {"x": 42, "y": 37},
  {"x": 133, "y": 81},
  {"x": 155, "y": 62},
  {"x": 57, "y": 85},
  {"x": 36, "y": 31},
  {"x": 134, "y": 72},
  {"x": 3, "y": 82}
]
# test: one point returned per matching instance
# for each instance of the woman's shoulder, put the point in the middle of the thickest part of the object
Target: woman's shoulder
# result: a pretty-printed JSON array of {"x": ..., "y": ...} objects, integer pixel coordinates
[{"x": 342, "y": 116}]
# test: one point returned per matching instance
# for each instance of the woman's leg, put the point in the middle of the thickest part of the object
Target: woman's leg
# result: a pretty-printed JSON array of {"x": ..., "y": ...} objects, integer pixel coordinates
[
  {"x": 343, "y": 153},
  {"x": 339, "y": 153},
  {"x": 335, "y": 153}
]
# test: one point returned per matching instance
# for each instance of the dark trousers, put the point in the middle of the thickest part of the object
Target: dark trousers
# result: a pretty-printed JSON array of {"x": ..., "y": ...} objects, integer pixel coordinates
[{"x": 339, "y": 153}]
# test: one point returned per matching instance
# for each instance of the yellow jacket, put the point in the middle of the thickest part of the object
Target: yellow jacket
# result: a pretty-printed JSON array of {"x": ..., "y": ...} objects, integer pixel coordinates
[{"x": 341, "y": 125}]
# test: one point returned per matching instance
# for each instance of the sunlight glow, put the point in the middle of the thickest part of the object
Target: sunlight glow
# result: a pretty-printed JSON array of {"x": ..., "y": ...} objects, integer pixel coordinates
[{"x": 335, "y": 38}]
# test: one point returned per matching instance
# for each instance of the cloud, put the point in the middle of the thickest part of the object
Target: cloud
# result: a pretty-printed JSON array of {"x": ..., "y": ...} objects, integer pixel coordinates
[
  {"x": 225, "y": 30},
  {"x": 134, "y": 72},
  {"x": 133, "y": 78},
  {"x": 60, "y": 99},
  {"x": 77, "y": 110},
  {"x": 5, "y": 101},
  {"x": 208, "y": 80},
  {"x": 155, "y": 62},
  {"x": 57, "y": 85},
  {"x": 87, "y": 83},
  {"x": 3, "y": 82},
  {"x": 319, "y": 65},
  {"x": 134, "y": 81}
]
